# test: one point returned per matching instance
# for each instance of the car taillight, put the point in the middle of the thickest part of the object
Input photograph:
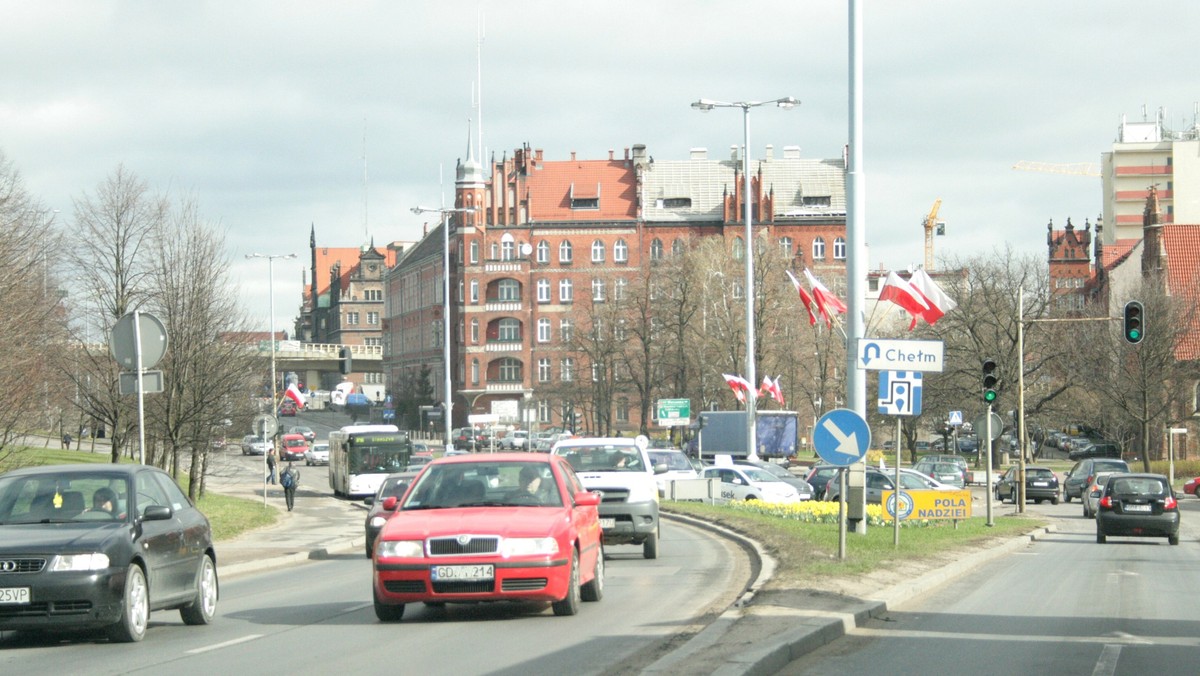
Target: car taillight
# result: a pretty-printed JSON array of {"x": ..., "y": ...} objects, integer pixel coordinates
[
  {"x": 1106, "y": 501},
  {"x": 1170, "y": 503}
]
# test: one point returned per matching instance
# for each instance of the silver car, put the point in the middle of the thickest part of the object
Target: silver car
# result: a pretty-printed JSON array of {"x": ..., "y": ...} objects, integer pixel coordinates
[
  {"x": 1090, "y": 497},
  {"x": 317, "y": 454}
]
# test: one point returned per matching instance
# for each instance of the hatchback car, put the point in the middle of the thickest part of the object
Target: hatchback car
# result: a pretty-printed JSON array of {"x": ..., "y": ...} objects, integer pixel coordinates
[
  {"x": 1079, "y": 476},
  {"x": 494, "y": 527},
  {"x": 945, "y": 472},
  {"x": 742, "y": 482},
  {"x": 317, "y": 454},
  {"x": 1040, "y": 484},
  {"x": 393, "y": 486},
  {"x": 100, "y": 546},
  {"x": 1091, "y": 494},
  {"x": 803, "y": 489},
  {"x": 1140, "y": 505},
  {"x": 253, "y": 445}
]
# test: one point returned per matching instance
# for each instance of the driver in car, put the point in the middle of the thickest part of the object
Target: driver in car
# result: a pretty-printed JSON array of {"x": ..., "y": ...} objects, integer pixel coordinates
[{"x": 104, "y": 500}]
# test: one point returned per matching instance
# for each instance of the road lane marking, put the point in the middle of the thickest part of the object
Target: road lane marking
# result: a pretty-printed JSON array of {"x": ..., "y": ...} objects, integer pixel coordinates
[
  {"x": 1111, "y": 639},
  {"x": 226, "y": 644},
  {"x": 1107, "y": 664}
]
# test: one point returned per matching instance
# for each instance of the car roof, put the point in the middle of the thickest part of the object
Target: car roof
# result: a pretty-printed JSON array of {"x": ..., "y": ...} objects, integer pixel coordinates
[
  {"x": 90, "y": 467},
  {"x": 472, "y": 458}
]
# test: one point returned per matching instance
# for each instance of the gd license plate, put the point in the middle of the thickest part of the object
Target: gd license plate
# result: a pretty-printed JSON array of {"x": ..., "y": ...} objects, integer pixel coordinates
[
  {"x": 608, "y": 523},
  {"x": 1041, "y": 484},
  {"x": 1137, "y": 508},
  {"x": 14, "y": 595},
  {"x": 469, "y": 573}
]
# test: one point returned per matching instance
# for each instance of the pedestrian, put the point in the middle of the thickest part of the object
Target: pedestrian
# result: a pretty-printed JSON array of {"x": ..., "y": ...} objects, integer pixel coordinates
[
  {"x": 271, "y": 467},
  {"x": 289, "y": 480}
]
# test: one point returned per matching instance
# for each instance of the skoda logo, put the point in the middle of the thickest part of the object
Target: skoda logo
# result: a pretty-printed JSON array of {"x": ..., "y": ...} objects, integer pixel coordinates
[
  {"x": 464, "y": 540},
  {"x": 8, "y": 566}
]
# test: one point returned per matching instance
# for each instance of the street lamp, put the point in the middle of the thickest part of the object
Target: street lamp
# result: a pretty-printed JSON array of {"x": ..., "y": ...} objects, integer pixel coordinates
[
  {"x": 705, "y": 105},
  {"x": 448, "y": 396},
  {"x": 271, "y": 294}
]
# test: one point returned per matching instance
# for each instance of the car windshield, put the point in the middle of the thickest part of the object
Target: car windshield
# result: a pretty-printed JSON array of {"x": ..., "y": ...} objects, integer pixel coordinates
[
  {"x": 393, "y": 487},
  {"x": 52, "y": 497},
  {"x": 603, "y": 458},
  {"x": 759, "y": 475},
  {"x": 674, "y": 461},
  {"x": 913, "y": 481},
  {"x": 479, "y": 484},
  {"x": 776, "y": 470}
]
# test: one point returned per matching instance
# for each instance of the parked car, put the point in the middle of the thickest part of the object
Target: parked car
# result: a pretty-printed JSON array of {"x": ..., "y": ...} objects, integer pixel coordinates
[
  {"x": 1140, "y": 505},
  {"x": 516, "y": 440},
  {"x": 1191, "y": 486},
  {"x": 317, "y": 454},
  {"x": 922, "y": 446},
  {"x": 945, "y": 472},
  {"x": 879, "y": 481},
  {"x": 255, "y": 445},
  {"x": 1095, "y": 449},
  {"x": 467, "y": 532},
  {"x": 393, "y": 486},
  {"x": 1091, "y": 494},
  {"x": 1079, "y": 476},
  {"x": 309, "y": 435},
  {"x": 292, "y": 447},
  {"x": 141, "y": 547},
  {"x": 677, "y": 463},
  {"x": 968, "y": 443},
  {"x": 1040, "y": 484},
  {"x": 742, "y": 482},
  {"x": 803, "y": 489},
  {"x": 818, "y": 477}
]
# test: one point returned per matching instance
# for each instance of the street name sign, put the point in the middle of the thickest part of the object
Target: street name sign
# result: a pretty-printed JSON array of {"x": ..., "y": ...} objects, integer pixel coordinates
[{"x": 900, "y": 355}]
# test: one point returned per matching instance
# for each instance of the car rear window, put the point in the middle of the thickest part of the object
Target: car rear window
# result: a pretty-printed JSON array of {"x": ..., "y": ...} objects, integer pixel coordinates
[
  {"x": 1110, "y": 466},
  {"x": 1137, "y": 486},
  {"x": 1039, "y": 473}
]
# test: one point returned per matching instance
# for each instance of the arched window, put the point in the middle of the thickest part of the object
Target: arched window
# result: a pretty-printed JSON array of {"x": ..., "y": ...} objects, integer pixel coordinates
[
  {"x": 677, "y": 247},
  {"x": 620, "y": 251},
  {"x": 474, "y": 330},
  {"x": 474, "y": 290},
  {"x": 819, "y": 249},
  {"x": 597, "y": 251},
  {"x": 739, "y": 248},
  {"x": 475, "y": 371},
  {"x": 656, "y": 249},
  {"x": 839, "y": 249},
  {"x": 508, "y": 248},
  {"x": 543, "y": 251},
  {"x": 564, "y": 251}
]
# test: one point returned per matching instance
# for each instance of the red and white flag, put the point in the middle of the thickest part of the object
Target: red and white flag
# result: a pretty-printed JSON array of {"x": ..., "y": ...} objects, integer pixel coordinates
[
  {"x": 740, "y": 386},
  {"x": 805, "y": 299},
  {"x": 937, "y": 300},
  {"x": 827, "y": 303},
  {"x": 900, "y": 292},
  {"x": 294, "y": 393},
  {"x": 771, "y": 387}
]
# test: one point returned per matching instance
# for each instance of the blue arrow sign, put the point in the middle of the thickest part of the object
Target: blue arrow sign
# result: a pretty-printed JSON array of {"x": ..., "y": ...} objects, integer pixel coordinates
[{"x": 842, "y": 437}]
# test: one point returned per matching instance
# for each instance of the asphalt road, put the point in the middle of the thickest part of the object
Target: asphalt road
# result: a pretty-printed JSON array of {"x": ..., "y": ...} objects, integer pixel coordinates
[{"x": 1065, "y": 605}]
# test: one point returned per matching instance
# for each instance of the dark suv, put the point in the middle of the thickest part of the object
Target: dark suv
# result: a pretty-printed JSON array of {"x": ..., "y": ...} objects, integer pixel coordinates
[
  {"x": 1095, "y": 449},
  {"x": 1078, "y": 478}
]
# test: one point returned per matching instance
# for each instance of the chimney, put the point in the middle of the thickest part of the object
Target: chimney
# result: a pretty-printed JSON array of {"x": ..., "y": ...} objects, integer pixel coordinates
[
  {"x": 696, "y": 153},
  {"x": 770, "y": 153},
  {"x": 610, "y": 154},
  {"x": 733, "y": 152},
  {"x": 791, "y": 152}
]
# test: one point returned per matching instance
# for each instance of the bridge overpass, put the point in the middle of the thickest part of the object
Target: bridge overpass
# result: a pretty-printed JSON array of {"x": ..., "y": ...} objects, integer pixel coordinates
[{"x": 310, "y": 360}]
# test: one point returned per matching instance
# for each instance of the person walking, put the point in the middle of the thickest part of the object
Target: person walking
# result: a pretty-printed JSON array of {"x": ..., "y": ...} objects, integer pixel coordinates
[
  {"x": 271, "y": 467},
  {"x": 289, "y": 480}
]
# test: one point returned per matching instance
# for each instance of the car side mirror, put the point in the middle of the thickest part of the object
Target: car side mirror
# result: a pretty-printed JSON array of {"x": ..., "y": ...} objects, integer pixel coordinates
[
  {"x": 587, "y": 498},
  {"x": 156, "y": 513},
  {"x": 661, "y": 468},
  {"x": 389, "y": 503}
]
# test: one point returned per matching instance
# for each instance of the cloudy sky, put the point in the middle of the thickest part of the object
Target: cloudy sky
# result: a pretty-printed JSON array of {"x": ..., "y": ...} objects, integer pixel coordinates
[{"x": 270, "y": 114}]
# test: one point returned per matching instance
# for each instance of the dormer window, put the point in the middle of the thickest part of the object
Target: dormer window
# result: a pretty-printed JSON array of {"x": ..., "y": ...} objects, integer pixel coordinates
[
  {"x": 585, "y": 197},
  {"x": 674, "y": 203}
]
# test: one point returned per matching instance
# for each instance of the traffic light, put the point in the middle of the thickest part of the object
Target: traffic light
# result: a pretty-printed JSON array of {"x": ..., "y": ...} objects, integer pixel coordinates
[
  {"x": 344, "y": 356},
  {"x": 989, "y": 381},
  {"x": 1134, "y": 322}
]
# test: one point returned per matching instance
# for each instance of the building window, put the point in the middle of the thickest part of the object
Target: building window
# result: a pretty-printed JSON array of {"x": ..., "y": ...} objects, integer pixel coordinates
[
  {"x": 674, "y": 203},
  {"x": 839, "y": 249},
  {"x": 819, "y": 249},
  {"x": 736, "y": 286},
  {"x": 597, "y": 371},
  {"x": 543, "y": 330},
  {"x": 474, "y": 331},
  {"x": 739, "y": 248},
  {"x": 351, "y": 319},
  {"x": 475, "y": 371},
  {"x": 785, "y": 246},
  {"x": 598, "y": 290},
  {"x": 474, "y": 291},
  {"x": 507, "y": 250},
  {"x": 597, "y": 251},
  {"x": 620, "y": 251},
  {"x": 372, "y": 319},
  {"x": 510, "y": 330},
  {"x": 619, "y": 332},
  {"x": 564, "y": 251},
  {"x": 816, "y": 200},
  {"x": 568, "y": 369},
  {"x": 543, "y": 252},
  {"x": 564, "y": 291},
  {"x": 543, "y": 290},
  {"x": 677, "y": 247},
  {"x": 372, "y": 294},
  {"x": 544, "y": 370},
  {"x": 619, "y": 286},
  {"x": 474, "y": 252},
  {"x": 585, "y": 202},
  {"x": 623, "y": 410},
  {"x": 566, "y": 329},
  {"x": 493, "y": 251},
  {"x": 510, "y": 370},
  {"x": 508, "y": 290},
  {"x": 656, "y": 249},
  {"x": 543, "y": 409}
]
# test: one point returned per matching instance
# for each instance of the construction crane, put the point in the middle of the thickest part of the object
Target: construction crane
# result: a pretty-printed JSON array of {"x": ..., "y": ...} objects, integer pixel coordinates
[
  {"x": 1077, "y": 168},
  {"x": 930, "y": 224}
]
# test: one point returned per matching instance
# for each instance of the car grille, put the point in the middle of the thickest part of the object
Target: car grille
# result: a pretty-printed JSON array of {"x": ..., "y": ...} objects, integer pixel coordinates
[
  {"x": 477, "y": 587},
  {"x": 615, "y": 494},
  {"x": 44, "y": 609},
  {"x": 464, "y": 545},
  {"x": 30, "y": 565},
  {"x": 405, "y": 586},
  {"x": 523, "y": 584}
]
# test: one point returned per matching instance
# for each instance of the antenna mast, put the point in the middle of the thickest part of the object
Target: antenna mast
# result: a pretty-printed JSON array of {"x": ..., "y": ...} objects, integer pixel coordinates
[{"x": 366, "y": 231}]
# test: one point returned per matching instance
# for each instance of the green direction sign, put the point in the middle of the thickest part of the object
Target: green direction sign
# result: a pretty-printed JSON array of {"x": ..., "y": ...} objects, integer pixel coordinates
[{"x": 674, "y": 412}]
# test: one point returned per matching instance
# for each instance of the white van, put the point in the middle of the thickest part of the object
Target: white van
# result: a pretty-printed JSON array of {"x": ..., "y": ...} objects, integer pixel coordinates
[{"x": 621, "y": 470}]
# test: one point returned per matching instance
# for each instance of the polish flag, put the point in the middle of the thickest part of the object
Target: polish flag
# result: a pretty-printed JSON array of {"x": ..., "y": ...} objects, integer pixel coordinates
[
  {"x": 827, "y": 303},
  {"x": 937, "y": 300},
  {"x": 900, "y": 292},
  {"x": 804, "y": 298},
  {"x": 295, "y": 395},
  {"x": 740, "y": 386},
  {"x": 772, "y": 388}
]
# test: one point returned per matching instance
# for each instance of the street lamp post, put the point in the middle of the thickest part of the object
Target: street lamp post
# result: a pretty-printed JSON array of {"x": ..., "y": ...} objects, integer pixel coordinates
[
  {"x": 705, "y": 105},
  {"x": 271, "y": 295},
  {"x": 448, "y": 384}
]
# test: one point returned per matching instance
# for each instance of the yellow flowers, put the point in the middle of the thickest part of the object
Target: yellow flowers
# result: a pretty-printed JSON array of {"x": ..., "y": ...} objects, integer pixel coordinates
[{"x": 817, "y": 511}]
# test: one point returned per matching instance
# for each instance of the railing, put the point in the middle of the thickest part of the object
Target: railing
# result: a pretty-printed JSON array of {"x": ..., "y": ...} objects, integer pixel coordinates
[{"x": 295, "y": 349}]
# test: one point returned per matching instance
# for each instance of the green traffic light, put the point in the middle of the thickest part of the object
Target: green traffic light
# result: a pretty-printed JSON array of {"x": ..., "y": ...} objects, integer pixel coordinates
[
  {"x": 989, "y": 396},
  {"x": 1134, "y": 334}
]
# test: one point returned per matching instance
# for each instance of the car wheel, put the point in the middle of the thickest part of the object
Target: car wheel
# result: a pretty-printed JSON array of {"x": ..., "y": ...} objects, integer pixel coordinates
[
  {"x": 650, "y": 546},
  {"x": 387, "y": 612},
  {"x": 570, "y": 604},
  {"x": 1037, "y": 501},
  {"x": 594, "y": 589},
  {"x": 203, "y": 607},
  {"x": 1086, "y": 512},
  {"x": 1173, "y": 539},
  {"x": 1066, "y": 497},
  {"x": 135, "y": 608},
  {"x": 1054, "y": 501},
  {"x": 1100, "y": 538}
]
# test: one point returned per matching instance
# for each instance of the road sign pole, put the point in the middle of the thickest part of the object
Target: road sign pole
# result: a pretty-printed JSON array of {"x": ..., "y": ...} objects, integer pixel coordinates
[
  {"x": 896, "y": 516},
  {"x": 141, "y": 395},
  {"x": 988, "y": 463}
]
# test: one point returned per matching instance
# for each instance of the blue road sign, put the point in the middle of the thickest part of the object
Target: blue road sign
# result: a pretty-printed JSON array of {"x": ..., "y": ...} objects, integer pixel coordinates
[
  {"x": 842, "y": 437},
  {"x": 900, "y": 392},
  {"x": 956, "y": 418}
]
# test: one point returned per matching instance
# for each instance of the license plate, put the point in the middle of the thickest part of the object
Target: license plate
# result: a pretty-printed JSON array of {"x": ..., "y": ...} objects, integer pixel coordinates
[
  {"x": 1041, "y": 483},
  {"x": 608, "y": 523},
  {"x": 14, "y": 595},
  {"x": 1137, "y": 508},
  {"x": 464, "y": 573}
]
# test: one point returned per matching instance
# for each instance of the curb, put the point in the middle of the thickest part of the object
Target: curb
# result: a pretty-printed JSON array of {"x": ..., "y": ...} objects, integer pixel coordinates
[{"x": 315, "y": 554}]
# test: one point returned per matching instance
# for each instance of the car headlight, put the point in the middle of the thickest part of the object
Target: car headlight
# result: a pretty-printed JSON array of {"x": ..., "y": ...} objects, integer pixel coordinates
[
  {"x": 408, "y": 549},
  {"x": 528, "y": 546},
  {"x": 79, "y": 562},
  {"x": 377, "y": 521},
  {"x": 643, "y": 493}
]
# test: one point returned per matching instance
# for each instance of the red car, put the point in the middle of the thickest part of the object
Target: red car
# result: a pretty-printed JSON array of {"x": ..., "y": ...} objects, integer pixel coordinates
[
  {"x": 494, "y": 527},
  {"x": 292, "y": 447},
  {"x": 1191, "y": 485}
]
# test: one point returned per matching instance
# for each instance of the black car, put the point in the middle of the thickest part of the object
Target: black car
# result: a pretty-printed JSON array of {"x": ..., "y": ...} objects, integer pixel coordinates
[
  {"x": 100, "y": 546},
  {"x": 1079, "y": 476},
  {"x": 393, "y": 486},
  {"x": 1040, "y": 484},
  {"x": 1140, "y": 505},
  {"x": 1095, "y": 449}
]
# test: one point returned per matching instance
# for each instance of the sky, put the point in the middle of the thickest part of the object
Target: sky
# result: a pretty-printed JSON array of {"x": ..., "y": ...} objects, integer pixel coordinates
[{"x": 278, "y": 117}]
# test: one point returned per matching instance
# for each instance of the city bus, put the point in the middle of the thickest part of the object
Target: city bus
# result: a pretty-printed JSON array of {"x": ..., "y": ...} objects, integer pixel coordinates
[{"x": 360, "y": 456}]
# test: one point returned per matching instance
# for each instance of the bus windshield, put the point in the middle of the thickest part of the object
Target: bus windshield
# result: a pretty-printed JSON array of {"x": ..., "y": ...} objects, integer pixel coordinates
[{"x": 378, "y": 453}]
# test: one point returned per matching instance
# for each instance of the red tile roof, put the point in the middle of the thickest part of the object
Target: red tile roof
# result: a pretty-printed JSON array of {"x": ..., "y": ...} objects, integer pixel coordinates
[
  {"x": 1182, "y": 246},
  {"x": 1112, "y": 254},
  {"x": 552, "y": 184},
  {"x": 347, "y": 258}
]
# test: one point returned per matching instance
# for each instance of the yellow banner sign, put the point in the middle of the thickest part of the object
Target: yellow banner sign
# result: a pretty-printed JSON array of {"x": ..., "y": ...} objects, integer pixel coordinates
[{"x": 922, "y": 504}]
